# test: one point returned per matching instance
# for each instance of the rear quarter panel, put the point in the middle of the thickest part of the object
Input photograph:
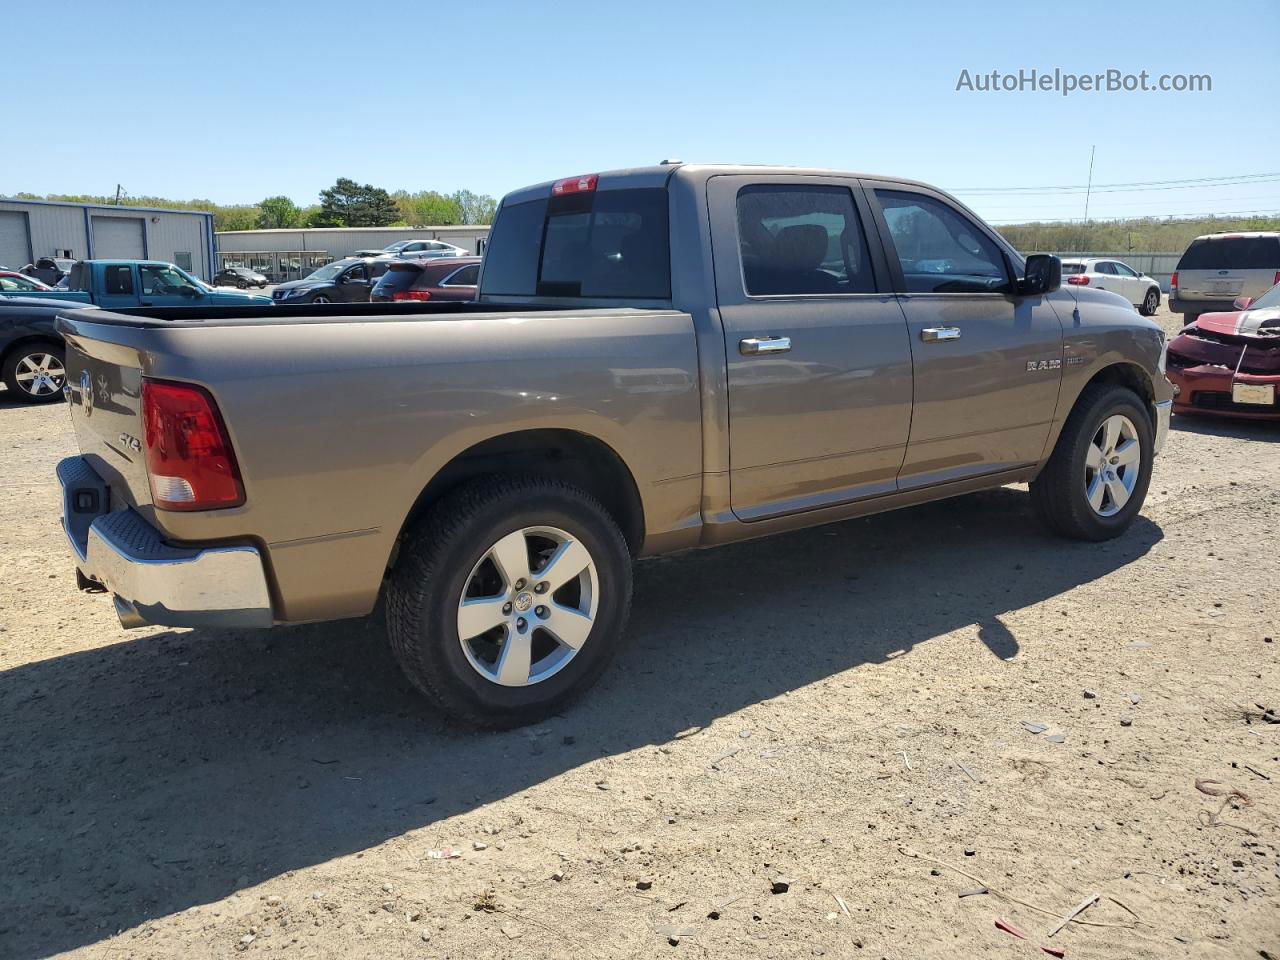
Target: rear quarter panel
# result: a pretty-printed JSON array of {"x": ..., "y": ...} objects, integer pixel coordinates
[{"x": 338, "y": 426}]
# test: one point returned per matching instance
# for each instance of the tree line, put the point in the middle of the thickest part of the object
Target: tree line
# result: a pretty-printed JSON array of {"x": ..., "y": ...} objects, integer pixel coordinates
[
  {"x": 345, "y": 204},
  {"x": 1148, "y": 235}
]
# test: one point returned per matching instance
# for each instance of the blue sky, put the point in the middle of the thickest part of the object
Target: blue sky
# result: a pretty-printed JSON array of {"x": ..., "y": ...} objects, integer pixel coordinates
[{"x": 235, "y": 102}]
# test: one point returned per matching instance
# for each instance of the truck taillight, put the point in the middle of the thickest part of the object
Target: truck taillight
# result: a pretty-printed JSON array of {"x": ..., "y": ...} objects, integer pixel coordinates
[
  {"x": 1078, "y": 280},
  {"x": 584, "y": 184},
  {"x": 1173, "y": 280},
  {"x": 190, "y": 463},
  {"x": 411, "y": 295}
]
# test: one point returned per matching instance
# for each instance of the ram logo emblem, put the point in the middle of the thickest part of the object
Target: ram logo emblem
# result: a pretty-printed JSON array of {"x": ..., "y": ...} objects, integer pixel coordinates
[{"x": 1035, "y": 366}]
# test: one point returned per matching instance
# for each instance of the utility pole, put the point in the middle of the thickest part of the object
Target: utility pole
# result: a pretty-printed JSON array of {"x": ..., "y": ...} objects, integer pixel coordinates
[
  {"x": 1089, "y": 188},
  {"x": 120, "y": 190}
]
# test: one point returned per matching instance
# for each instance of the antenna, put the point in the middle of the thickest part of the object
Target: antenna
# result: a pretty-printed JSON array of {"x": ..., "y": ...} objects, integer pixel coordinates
[
  {"x": 119, "y": 191},
  {"x": 1089, "y": 188}
]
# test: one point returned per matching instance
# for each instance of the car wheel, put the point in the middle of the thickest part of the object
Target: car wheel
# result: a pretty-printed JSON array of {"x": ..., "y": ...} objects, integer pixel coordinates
[
  {"x": 509, "y": 599},
  {"x": 1150, "y": 303},
  {"x": 320, "y": 298},
  {"x": 1097, "y": 477},
  {"x": 242, "y": 285},
  {"x": 36, "y": 372}
]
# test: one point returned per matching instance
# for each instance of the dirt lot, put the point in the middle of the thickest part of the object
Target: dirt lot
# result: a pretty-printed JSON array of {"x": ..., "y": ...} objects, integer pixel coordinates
[{"x": 833, "y": 707}]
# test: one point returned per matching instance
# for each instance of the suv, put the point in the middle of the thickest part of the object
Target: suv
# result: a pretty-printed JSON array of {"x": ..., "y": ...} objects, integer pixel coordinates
[
  {"x": 1139, "y": 289},
  {"x": 440, "y": 278},
  {"x": 1219, "y": 267},
  {"x": 343, "y": 281}
]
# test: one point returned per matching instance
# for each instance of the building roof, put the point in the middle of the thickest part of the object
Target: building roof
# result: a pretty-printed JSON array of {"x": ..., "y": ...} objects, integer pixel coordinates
[{"x": 101, "y": 206}]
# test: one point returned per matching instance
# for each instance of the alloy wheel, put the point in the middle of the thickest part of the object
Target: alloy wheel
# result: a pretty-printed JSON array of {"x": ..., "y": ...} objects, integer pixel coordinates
[
  {"x": 1112, "y": 463},
  {"x": 1152, "y": 302},
  {"x": 528, "y": 606},
  {"x": 41, "y": 374}
]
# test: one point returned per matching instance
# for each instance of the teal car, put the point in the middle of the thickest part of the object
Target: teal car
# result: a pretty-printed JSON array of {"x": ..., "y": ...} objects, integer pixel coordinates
[{"x": 116, "y": 284}]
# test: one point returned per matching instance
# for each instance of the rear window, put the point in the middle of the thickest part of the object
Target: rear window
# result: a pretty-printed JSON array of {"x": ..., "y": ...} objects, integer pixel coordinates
[
  {"x": 1232, "y": 253},
  {"x": 1072, "y": 268},
  {"x": 398, "y": 278},
  {"x": 597, "y": 244}
]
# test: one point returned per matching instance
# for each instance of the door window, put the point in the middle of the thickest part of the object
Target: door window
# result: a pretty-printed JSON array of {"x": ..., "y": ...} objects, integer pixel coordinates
[
  {"x": 157, "y": 281},
  {"x": 941, "y": 251},
  {"x": 358, "y": 272},
  {"x": 798, "y": 240},
  {"x": 1105, "y": 268},
  {"x": 1123, "y": 271},
  {"x": 118, "y": 280},
  {"x": 466, "y": 277}
]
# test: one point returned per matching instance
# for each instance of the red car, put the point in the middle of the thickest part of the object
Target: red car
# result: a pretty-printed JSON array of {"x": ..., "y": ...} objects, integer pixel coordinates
[
  {"x": 11, "y": 281},
  {"x": 1229, "y": 363},
  {"x": 439, "y": 278}
]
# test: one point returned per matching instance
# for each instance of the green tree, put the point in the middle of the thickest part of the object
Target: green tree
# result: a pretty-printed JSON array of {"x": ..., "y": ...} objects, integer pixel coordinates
[
  {"x": 427, "y": 208},
  {"x": 351, "y": 204},
  {"x": 475, "y": 207},
  {"x": 276, "y": 213}
]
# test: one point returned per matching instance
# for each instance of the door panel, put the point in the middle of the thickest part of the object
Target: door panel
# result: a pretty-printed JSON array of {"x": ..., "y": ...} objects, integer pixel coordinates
[
  {"x": 819, "y": 366},
  {"x": 988, "y": 363}
]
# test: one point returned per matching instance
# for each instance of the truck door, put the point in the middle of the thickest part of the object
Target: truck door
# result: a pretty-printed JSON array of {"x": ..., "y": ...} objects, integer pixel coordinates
[
  {"x": 115, "y": 287},
  {"x": 988, "y": 362},
  {"x": 819, "y": 363},
  {"x": 163, "y": 285}
]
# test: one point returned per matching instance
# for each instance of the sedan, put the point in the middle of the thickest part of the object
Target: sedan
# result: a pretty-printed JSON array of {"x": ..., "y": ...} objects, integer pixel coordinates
[
  {"x": 13, "y": 282},
  {"x": 1229, "y": 363},
  {"x": 241, "y": 277}
]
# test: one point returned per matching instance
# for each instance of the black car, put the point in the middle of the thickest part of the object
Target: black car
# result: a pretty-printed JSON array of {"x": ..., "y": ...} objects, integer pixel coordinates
[
  {"x": 241, "y": 277},
  {"x": 343, "y": 281},
  {"x": 32, "y": 358}
]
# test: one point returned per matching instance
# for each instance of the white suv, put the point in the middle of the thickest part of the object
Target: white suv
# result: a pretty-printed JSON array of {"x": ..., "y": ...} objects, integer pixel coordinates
[
  {"x": 1219, "y": 267},
  {"x": 1102, "y": 274}
]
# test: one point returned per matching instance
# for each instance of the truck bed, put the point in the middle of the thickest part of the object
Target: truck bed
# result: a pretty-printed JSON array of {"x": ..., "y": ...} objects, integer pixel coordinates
[{"x": 269, "y": 314}]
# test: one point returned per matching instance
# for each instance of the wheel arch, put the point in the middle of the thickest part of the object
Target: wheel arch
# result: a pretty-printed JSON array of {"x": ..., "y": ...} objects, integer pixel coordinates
[
  {"x": 570, "y": 455},
  {"x": 1117, "y": 371}
]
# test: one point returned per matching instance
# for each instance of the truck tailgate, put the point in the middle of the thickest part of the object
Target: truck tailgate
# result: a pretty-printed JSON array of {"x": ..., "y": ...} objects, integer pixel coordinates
[{"x": 104, "y": 387}]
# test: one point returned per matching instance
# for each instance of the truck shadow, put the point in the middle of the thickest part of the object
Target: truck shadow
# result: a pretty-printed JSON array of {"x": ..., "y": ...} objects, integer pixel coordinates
[
  {"x": 1236, "y": 428},
  {"x": 148, "y": 776}
]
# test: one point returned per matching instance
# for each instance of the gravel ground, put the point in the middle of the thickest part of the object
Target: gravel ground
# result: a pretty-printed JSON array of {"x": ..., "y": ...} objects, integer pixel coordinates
[{"x": 837, "y": 715}]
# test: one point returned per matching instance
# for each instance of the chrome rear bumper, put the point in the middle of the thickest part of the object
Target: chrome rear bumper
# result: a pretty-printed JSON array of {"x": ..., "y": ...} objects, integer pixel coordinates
[{"x": 153, "y": 582}]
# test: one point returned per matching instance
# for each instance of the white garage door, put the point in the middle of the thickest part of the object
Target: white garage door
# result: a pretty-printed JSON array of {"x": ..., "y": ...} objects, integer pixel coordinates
[
  {"x": 118, "y": 238},
  {"x": 15, "y": 247}
]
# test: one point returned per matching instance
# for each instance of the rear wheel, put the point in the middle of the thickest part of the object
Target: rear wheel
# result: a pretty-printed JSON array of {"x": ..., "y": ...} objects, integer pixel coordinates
[
  {"x": 320, "y": 298},
  {"x": 1097, "y": 477},
  {"x": 36, "y": 372},
  {"x": 509, "y": 599},
  {"x": 1150, "y": 303}
]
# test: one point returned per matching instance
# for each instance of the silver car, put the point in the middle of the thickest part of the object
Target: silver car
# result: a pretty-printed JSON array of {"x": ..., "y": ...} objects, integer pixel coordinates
[{"x": 1219, "y": 267}]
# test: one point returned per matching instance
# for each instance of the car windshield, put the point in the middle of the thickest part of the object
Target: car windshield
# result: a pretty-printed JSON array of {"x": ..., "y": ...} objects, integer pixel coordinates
[
  {"x": 1268, "y": 300},
  {"x": 396, "y": 247},
  {"x": 328, "y": 271}
]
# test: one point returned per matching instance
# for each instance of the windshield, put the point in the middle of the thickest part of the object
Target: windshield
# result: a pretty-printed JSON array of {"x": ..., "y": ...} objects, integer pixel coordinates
[
  {"x": 396, "y": 247},
  {"x": 1268, "y": 300},
  {"x": 328, "y": 271}
]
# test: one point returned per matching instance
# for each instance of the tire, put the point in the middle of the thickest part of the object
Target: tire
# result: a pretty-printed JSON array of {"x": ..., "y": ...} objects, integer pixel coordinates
[
  {"x": 35, "y": 372},
  {"x": 1061, "y": 493},
  {"x": 1150, "y": 303},
  {"x": 242, "y": 285},
  {"x": 320, "y": 298},
  {"x": 450, "y": 553}
]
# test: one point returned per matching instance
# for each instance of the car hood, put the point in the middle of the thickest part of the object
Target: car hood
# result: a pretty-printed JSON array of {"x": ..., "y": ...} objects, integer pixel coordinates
[
  {"x": 304, "y": 284},
  {"x": 219, "y": 296},
  {"x": 1241, "y": 323}
]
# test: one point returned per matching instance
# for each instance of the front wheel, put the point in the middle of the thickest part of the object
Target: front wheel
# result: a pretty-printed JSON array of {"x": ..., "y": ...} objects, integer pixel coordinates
[
  {"x": 1150, "y": 303},
  {"x": 320, "y": 298},
  {"x": 1097, "y": 477},
  {"x": 36, "y": 372},
  {"x": 509, "y": 599}
]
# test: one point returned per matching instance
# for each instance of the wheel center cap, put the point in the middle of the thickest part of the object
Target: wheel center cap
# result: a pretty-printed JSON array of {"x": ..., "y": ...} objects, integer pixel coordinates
[{"x": 524, "y": 601}]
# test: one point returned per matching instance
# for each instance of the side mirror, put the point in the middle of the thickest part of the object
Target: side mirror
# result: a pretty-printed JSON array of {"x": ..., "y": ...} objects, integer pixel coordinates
[
  {"x": 1242, "y": 303},
  {"x": 1043, "y": 275}
]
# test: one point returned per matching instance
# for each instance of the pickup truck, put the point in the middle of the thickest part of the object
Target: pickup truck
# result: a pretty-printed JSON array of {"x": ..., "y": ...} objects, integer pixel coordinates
[
  {"x": 658, "y": 359},
  {"x": 116, "y": 284}
]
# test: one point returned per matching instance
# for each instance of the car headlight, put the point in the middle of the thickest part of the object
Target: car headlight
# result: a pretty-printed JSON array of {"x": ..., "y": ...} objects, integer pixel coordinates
[{"x": 296, "y": 292}]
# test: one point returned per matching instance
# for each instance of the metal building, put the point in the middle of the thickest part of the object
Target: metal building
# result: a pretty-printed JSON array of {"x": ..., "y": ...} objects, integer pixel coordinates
[
  {"x": 30, "y": 229},
  {"x": 291, "y": 254}
]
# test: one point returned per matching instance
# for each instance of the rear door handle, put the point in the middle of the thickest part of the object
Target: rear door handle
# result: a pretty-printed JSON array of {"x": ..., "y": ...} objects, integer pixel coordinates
[
  {"x": 752, "y": 346},
  {"x": 938, "y": 334}
]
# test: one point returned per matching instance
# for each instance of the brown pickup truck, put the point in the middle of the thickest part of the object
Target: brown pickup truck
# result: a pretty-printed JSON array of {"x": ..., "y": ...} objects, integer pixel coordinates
[{"x": 659, "y": 358}]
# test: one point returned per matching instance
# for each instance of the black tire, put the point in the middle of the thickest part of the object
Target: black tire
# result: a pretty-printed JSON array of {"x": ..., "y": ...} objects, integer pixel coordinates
[
  {"x": 1150, "y": 303},
  {"x": 242, "y": 285},
  {"x": 436, "y": 559},
  {"x": 321, "y": 298},
  {"x": 1059, "y": 494},
  {"x": 16, "y": 391}
]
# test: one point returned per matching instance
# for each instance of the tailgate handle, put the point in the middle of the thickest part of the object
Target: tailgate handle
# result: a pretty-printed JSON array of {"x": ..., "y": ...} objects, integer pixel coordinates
[
  {"x": 938, "y": 334},
  {"x": 753, "y": 346}
]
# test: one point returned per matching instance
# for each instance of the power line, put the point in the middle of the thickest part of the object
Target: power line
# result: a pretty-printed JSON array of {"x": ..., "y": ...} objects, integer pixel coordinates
[
  {"x": 1055, "y": 205},
  {"x": 1263, "y": 211},
  {"x": 1169, "y": 184}
]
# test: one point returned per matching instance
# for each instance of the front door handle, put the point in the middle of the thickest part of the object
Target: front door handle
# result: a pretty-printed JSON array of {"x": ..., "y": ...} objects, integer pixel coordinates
[
  {"x": 752, "y": 346},
  {"x": 938, "y": 334}
]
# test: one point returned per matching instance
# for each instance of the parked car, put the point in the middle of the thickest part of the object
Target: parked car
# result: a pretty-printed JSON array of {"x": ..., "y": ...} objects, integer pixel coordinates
[
  {"x": 1217, "y": 268},
  {"x": 416, "y": 249},
  {"x": 49, "y": 269},
  {"x": 440, "y": 278},
  {"x": 241, "y": 277},
  {"x": 32, "y": 356},
  {"x": 1229, "y": 363},
  {"x": 140, "y": 283},
  {"x": 344, "y": 281},
  {"x": 1115, "y": 275},
  {"x": 11, "y": 281},
  {"x": 659, "y": 358}
]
